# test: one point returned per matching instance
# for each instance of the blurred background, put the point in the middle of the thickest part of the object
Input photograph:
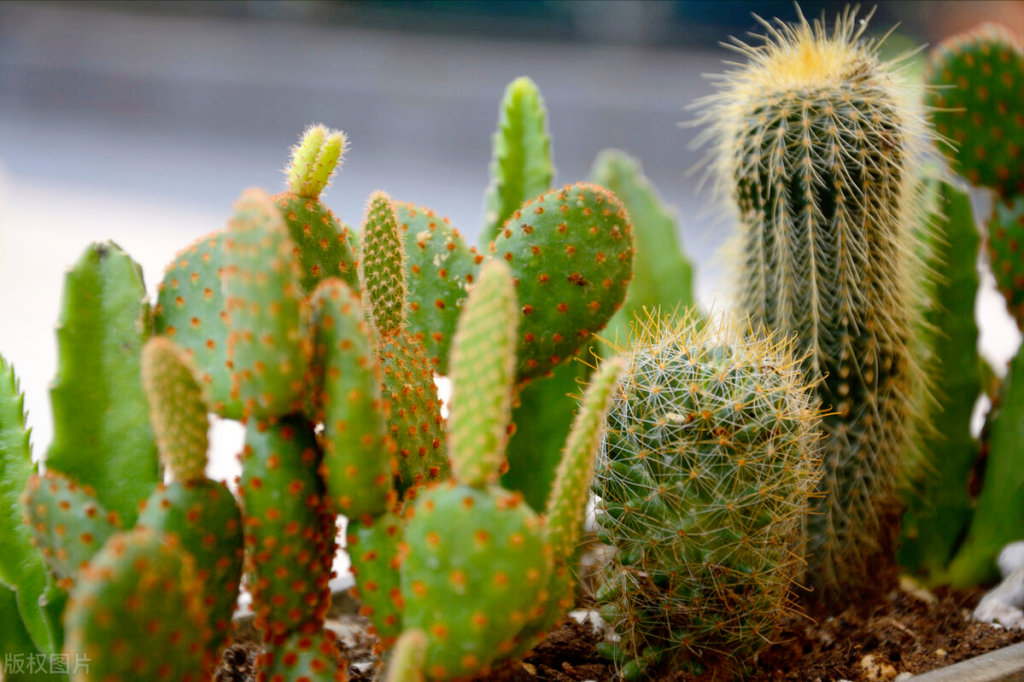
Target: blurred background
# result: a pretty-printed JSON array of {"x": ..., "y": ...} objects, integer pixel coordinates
[{"x": 141, "y": 122}]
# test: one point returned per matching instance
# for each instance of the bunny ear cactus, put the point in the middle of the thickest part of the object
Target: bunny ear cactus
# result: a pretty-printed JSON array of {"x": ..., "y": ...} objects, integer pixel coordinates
[
  {"x": 1006, "y": 253},
  {"x": 978, "y": 80},
  {"x": 303, "y": 658},
  {"x": 818, "y": 150},
  {"x": 704, "y": 481}
]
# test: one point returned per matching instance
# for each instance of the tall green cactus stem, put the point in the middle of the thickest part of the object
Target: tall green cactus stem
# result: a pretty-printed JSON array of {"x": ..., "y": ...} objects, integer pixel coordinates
[
  {"x": 382, "y": 266},
  {"x": 284, "y": 534},
  {"x": 21, "y": 566},
  {"x": 521, "y": 160},
  {"x": 68, "y": 524},
  {"x": 939, "y": 507},
  {"x": 978, "y": 80},
  {"x": 664, "y": 276},
  {"x": 571, "y": 255},
  {"x": 357, "y": 466},
  {"x": 1006, "y": 253},
  {"x": 996, "y": 520},
  {"x": 176, "y": 409},
  {"x": 136, "y": 613},
  {"x": 483, "y": 372},
  {"x": 373, "y": 546},
  {"x": 441, "y": 267},
  {"x": 101, "y": 432},
  {"x": 321, "y": 243},
  {"x": 266, "y": 341},
  {"x": 705, "y": 481},
  {"x": 819, "y": 149},
  {"x": 303, "y": 658}
]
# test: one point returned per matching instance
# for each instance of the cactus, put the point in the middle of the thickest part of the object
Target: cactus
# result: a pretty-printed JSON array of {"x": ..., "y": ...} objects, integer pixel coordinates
[
  {"x": 1006, "y": 252},
  {"x": 978, "y": 80},
  {"x": 410, "y": 656},
  {"x": 705, "y": 480},
  {"x": 303, "y": 658},
  {"x": 68, "y": 524},
  {"x": 321, "y": 243},
  {"x": 818, "y": 149},
  {"x": 101, "y": 435},
  {"x": 136, "y": 613},
  {"x": 373, "y": 547},
  {"x": 285, "y": 531}
]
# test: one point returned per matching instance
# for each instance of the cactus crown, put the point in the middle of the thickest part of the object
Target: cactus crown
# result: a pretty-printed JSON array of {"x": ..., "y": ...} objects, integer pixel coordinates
[{"x": 314, "y": 160}]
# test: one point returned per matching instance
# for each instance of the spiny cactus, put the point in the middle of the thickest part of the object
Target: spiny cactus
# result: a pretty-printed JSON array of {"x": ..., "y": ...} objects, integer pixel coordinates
[
  {"x": 704, "y": 482},
  {"x": 978, "y": 80},
  {"x": 818, "y": 150},
  {"x": 137, "y": 614},
  {"x": 303, "y": 658},
  {"x": 373, "y": 546},
  {"x": 1006, "y": 253}
]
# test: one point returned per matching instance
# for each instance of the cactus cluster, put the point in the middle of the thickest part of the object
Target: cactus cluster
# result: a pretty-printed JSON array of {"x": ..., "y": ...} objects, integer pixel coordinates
[
  {"x": 819, "y": 150},
  {"x": 704, "y": 483}
]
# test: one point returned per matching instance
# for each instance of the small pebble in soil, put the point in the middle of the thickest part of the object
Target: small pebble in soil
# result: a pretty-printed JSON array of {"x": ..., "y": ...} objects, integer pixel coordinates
[
  {"x": 877, "y": 669},
  {"x": 1011, "y": 558}
]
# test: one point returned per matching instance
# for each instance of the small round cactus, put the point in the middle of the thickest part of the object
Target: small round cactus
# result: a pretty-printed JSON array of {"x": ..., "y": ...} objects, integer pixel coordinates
[{"x": 704, "y": 482}]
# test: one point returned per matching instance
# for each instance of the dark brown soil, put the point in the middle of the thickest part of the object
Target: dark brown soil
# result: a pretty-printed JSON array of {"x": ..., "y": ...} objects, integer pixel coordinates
[{"x": 872, "y": 643}]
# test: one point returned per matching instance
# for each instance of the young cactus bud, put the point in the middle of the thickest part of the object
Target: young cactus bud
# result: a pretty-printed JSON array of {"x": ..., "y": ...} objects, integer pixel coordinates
[
  {"x": 266, "y": 342},
  {"x": 176, "y": 410},
  {"x": 314, "y": 160},
  {"x": 382, "y": 266},
  {"x": 483, "y": 377},
  {"x": 819, "y": 149}
]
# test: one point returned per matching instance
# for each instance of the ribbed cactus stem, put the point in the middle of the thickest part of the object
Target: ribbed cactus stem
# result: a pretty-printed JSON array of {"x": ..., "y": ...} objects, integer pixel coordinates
[
  {"x": 568, "y": 501},
  {"x": 314, "y": 160},
  {"x": 176, "y": 409},
  {"x": 382, "y": 266},
  {"x": 819, "y": 147},
  {"x": 483, "y": 377}
]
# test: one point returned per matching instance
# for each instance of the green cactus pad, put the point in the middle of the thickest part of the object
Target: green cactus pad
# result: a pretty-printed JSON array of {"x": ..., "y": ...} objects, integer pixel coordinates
[
  {"x": 68, "y": 524},
  {"x": 571, "y": 254},
  {"x": 476, "y": 572},
  {"x": 266, "y": 341},
  {"x": 137, "y": 614},
  {"x": 1006, "y": 253},
  {"x": 521, "y": 160},
  {"x": 978, "y": 85},
  {"x": 190, "y": 311},
  {"x": 440, "y": 267},
  {"x": 483, "y": 377},
  {"x": 382, "y": 266},
  {"x": 358, "y": 456},
  {"x": 314, "y": 161},
  {"x": 303, "y": 658},
  {"x": 320, "y": 243},
  {"x": 373, "y": 547},
  {"x": 206, "y": 519},
  {"x": 101, "y": 432},
  {"x": 416, "y": 424},
  {"x": 409, "y": 657},
  {"x": 284, "y": 530},
  {"x": 176, "y": 409},
  {"x": 705, "y": 482}
]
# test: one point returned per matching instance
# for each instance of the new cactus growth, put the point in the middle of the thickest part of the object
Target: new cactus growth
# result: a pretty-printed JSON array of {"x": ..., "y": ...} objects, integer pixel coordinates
[
  {"x": 978, "y": 80},
  {"x": 704, "y": 482},
  {"x": 137, "y": 614},
  {"x": 818, "y": 150}
]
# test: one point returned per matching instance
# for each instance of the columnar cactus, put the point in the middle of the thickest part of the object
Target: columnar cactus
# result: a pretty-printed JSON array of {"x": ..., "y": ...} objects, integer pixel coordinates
[
  {"x": 818, "y": 150},
  {"x": 705, "y": 480}
]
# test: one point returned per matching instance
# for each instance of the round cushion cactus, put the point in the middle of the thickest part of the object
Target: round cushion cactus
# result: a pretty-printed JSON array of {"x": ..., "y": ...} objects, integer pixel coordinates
[{"x": 703, "y": 485}]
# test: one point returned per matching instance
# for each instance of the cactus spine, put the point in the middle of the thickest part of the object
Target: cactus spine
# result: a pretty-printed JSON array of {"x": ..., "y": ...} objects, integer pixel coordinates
[
  {"x": 818, "y": 149},
  {"x": 705, "y": 481}
]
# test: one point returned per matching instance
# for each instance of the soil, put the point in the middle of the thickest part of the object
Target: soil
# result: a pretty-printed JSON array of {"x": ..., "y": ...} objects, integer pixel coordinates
[{"x": 873, "y": 643}]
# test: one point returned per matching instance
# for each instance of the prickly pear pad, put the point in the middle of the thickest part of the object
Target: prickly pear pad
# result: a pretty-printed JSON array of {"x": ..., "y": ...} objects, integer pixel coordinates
[
  {"x": 321, "y": 246},
  {"x": 373, "y": 547},
  {"x": 68, "y": 525},
  {"x": 206, "y": 518},
  {"x": 1006, "y": 252},
  {"x": 190, "y": 311},
  {"x": 137, "y": 613},
  {"x": 303, "y": 658},
  {"x": 266, "y": 340},
  {"x": 358, "y": 457},
  {"x": 440, "y": 268},
  {"x": 571, "y": 254},
  {"x": 476, "y": 571},
  {"x": 284, "y": 530}
]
